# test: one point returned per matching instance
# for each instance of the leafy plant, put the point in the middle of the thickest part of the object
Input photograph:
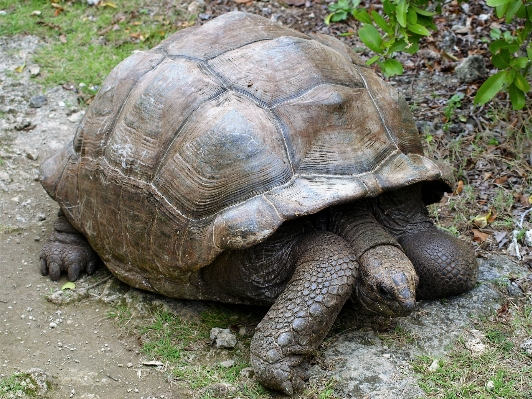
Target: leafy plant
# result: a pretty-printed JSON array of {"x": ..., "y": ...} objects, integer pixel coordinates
[
  {"x": 452, "y": 104},
  {"x": 402, "y": 23},
  {"x": 511, "y": 53}
]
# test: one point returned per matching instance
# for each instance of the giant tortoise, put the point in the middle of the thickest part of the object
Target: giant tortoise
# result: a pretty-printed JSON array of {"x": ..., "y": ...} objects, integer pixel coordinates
[{"x": 244, "y": 162}]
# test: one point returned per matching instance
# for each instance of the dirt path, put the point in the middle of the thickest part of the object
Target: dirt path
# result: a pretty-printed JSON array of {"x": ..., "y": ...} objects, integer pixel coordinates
[{"x": 76, "y": 344}]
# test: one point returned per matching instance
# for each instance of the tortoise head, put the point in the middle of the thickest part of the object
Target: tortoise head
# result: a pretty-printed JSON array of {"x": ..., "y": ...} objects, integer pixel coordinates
[{"x": 387, "y": 281}]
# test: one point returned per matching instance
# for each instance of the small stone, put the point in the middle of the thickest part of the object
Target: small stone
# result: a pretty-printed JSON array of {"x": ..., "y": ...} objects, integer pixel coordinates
[
  {"x": 41, "y": 217},
  {"x": 52, "y": 325},
  {"x": 490, "y": 385},
  {"x": 223, "y": 337},
  {"x": 32, "y": 154},
  {"x": 34, "y": 70},
  {"x": 38, "y": 101},
  {"x": 76, "y": 117},
  {"x": 527, "y": 347},
  {"x": 471, "y": 69},
  {"x": 227, "y": 363},
  {"x": 435, "y": 365},
  {"x": 247, "y": 372},
  {"x": 37, "y": 238}
]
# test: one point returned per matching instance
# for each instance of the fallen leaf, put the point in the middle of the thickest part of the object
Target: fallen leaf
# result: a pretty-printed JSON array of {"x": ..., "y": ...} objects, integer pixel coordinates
[
  {"x": 57, "y": 12},
  {"x": 62, "y": 39},
  {"x": 481, "y": 221},
  {"x": 20, "y": 68},
  {"x": 459, "y": 187},
  {"x": 479, "y": 236},
  {"x": 242, "y": 1},
  {"x": 503, "y": 310},
  {"x": 492, "y": 216},
  {"x": 501, "y": 180},
  {"x": 107, "y": 4},
  {"x": 295, "y": 2},
  {"x": 68, "y": 286}
]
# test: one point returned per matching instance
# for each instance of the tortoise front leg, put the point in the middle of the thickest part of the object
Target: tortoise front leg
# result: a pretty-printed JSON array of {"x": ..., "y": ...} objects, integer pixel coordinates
[{"x": 302, "y": 315}]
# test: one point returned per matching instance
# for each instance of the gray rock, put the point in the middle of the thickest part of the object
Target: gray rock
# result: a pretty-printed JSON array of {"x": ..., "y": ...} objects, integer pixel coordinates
[
  {"x": 527, "y": 347},
  {"x": 223, "y": 337},
  {"x": 227, "y": 363},
  {"x": 448, "y": 41},
  {"x": 471, "y": 69},
  {"x": 38, "y": 101},
  {"x": 247, "y": 372}
]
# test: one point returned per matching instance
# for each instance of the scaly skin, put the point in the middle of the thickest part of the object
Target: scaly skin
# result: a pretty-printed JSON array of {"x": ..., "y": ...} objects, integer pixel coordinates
[
  {"x": 445, "y": 265},
  {"x": 302, "y": 315},
  {"x": 67, "y": 250}
]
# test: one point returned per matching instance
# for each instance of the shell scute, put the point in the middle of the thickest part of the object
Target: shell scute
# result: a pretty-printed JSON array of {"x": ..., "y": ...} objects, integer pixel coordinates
[
  {"x": 154, "y": 114},
  {"x": 229, "y": 151}
]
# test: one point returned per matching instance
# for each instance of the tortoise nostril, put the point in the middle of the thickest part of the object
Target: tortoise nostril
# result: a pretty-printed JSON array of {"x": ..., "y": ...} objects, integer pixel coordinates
[{"x": 384, "y": 292}]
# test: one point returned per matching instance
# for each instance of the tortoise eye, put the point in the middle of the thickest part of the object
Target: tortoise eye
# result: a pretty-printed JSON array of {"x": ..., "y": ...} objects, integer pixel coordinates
[{"x": 384, "y": 292}]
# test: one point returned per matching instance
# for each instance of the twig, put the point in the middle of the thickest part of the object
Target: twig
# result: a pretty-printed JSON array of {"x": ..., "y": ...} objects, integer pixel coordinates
[{"x": 99, "y": 283}]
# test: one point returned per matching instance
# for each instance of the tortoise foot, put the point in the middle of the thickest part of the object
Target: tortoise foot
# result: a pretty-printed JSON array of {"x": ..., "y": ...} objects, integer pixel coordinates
[
  {"x": 287, "y": 374},
  {"x": 67, "y": 251},
  {"x": 445, "y": 265}
]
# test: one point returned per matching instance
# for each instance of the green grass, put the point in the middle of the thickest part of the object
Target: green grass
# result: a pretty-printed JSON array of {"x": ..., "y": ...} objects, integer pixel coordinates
[
  {"x": 503, "y": 370},
  {"x": 84, "y": 42},
  {"x": 18, "y": 386}
]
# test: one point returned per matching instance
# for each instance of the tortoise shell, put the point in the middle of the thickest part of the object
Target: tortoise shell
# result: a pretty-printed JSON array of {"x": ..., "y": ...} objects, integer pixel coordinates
[{"x": 214, "y": 138}]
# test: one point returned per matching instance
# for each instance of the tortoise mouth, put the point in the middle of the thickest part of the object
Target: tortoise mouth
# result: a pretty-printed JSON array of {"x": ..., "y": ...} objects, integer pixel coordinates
[{"x": 375, "y": 303}]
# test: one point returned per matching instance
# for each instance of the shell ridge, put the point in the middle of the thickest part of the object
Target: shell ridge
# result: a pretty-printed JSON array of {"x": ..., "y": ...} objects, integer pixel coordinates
[
  {"x": 260, "y": 103},
  {"x": 125, "y": 101},
  {"x": 161, "y": 160},
  {"x": 388, "y": 133}
]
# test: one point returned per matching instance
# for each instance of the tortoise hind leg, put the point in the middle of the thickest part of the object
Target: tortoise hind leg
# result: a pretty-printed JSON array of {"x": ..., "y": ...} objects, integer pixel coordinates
[
  {"x": 67, "y": 250},
  {"x": 445, "y": 265},
  {"x": 302, "y": 315}
]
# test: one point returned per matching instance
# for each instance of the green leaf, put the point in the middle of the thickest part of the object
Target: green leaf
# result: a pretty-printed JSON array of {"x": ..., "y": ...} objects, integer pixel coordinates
[
  {"x": 392, "y": 67},
  {"x": 500, "y": 44},
  {"x": 370, "y": 37},
  {"x": 381, "y": 22},
  {"x": 517, "y": 97},
  {"x": 501, "y": 10},
  {"x": 521, "y": 83},
  {"x": 68, "y": 286},
  {"x": 490, "y": 87},
  {"x": 402, "y": 7},
  {"x": 360, "y": 14},
  {"x": 411, "y": 16},
  {"x": 372, "y": 60},
  {"x": 502, "y": 59},
  {"x": 388, "y": 7},
  {"x": 399, "y": 45},
  {"x": 512, "y": 10},
  {"x": 519, "y": 62},
  {"x": 422, "y": 12},
  {"x": 495, "y": 3},
  {"x": 418, "y": 29}
]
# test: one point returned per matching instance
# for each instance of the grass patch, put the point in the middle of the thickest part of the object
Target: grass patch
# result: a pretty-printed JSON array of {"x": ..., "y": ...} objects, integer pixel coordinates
[
  {"x": 18, "y": 386},
  {"x": 502, "y": 370},
  {"x": 85, "y": 42}
]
